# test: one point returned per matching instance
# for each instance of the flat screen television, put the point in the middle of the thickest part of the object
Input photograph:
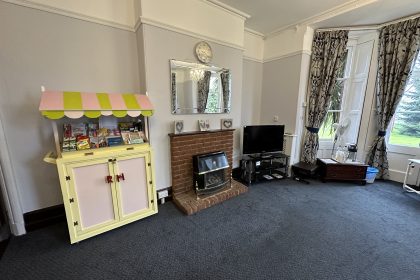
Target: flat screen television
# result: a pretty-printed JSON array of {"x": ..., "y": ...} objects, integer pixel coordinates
[{"x": 262, "y": 139}]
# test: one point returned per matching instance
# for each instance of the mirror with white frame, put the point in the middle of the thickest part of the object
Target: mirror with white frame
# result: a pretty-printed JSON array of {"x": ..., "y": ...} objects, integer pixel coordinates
[{"x": 199, "y": 88}]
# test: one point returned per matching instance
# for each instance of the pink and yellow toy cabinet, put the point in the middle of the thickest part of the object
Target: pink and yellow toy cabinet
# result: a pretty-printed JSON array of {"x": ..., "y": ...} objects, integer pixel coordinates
[{"x": 102, "y": 188}]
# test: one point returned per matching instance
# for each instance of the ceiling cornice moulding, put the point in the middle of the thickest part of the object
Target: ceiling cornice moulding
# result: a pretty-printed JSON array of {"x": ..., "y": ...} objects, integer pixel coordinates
[
  {"x": 152, "y": 22},
  {"x": 247, "y": 57},
  {"x": 67, "y": 13},
  {"x": 307, "y": 52},
  {"x": 254, "y": 32},
  {"x": 333, "y": 12},
  {"x": 138, "y": 24},
  {"x": 227, "y": 8},
  {"x": 139, "y": 21}
]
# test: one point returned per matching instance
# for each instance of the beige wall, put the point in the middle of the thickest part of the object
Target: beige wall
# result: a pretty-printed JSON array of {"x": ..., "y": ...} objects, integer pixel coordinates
[
  {"x": 288, "y": 42},
  {"x": 109, "y": 12},
  {"x": 39, "y": 48},
  {"x": 160, "y": 46},
  {"x": 251, "y": 92},
  {"x": 254, "y": 46},
  {"x": 284, "y": 82},
  {"x": 66, "y": 53},
  {"x": 142, "y": 61},
  {"x": 201, "y": 19},
  {"x": 281, "y": 80}
]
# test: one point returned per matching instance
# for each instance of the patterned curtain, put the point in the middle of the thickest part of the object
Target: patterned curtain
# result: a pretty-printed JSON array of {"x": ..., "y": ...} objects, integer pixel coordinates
[
  {"x": 203, "y": 87},
  {"x": 398, "y": 48},
  {"x": 328, "y": 55},
  {"x": 225, "y": 79},
  {"x": 173, "y": 92}
]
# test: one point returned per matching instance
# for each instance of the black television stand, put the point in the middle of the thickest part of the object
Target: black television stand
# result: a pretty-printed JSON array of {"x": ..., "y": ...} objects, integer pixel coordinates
[
  {"x": 265, "y": 155},
  {"x": 264, "y": 167}
]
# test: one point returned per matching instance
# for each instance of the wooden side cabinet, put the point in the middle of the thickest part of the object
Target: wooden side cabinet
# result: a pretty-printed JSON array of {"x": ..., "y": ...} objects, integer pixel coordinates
[
  {"x": 107, "y": 189},
  {"x": 330, "y": 170}
]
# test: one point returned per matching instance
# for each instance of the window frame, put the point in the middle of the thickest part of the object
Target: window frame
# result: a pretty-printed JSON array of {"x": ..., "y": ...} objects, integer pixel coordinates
[
  {"x": 400, "y": 149},
  {"x": 326, "y": 143}
]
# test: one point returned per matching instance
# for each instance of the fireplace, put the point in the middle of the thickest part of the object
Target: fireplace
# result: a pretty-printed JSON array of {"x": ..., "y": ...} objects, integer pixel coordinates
[
  {"x": 184, "y": 147},
  {"x": 209, "y": 172}
]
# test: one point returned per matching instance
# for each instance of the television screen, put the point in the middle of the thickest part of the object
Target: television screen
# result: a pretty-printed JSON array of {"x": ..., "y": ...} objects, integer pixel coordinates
[{"x": 263, "y": 139}]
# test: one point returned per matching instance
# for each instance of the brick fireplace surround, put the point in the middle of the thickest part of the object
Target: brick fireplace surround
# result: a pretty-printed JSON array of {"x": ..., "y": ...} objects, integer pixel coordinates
[{"x": 183, "y": 147}]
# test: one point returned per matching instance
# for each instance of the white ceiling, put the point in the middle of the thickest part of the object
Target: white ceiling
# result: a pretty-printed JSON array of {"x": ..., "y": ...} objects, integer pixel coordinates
[{"x": 270, "y": 15}]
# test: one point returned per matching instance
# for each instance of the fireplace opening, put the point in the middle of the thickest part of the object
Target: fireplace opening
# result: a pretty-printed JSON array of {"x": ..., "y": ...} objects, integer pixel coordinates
[{"x": 210, "y": 172}]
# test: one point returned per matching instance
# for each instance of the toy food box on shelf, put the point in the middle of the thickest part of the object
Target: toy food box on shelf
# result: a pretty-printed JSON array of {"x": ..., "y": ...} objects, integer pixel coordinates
[{"x": 89, "y": 134}]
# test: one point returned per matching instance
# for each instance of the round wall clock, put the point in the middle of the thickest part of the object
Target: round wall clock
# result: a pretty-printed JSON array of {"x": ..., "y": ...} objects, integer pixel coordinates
[{"x": 203, "y": 52}]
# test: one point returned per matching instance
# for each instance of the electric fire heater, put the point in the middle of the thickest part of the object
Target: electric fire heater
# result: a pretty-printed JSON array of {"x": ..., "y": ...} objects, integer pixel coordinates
[{"x": 210, "y": 172}]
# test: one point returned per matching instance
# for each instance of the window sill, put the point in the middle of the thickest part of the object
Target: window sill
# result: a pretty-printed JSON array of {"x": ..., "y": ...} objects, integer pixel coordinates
[
  {"x": 403, "y": 149},
  {"x": 326, "y": 144}
]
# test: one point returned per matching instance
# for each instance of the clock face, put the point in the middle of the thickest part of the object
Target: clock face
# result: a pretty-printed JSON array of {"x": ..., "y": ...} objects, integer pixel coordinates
[{"x": 203, "y": 52}]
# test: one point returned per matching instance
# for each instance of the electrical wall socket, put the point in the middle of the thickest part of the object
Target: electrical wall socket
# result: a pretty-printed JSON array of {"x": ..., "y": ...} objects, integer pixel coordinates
[
  {"x": 162, "y": 194},
  {"x": 275, "y": 118}
]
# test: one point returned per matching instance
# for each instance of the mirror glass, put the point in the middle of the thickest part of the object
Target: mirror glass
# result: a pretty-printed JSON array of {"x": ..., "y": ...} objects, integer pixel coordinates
[{"x": 199, "y": 88}]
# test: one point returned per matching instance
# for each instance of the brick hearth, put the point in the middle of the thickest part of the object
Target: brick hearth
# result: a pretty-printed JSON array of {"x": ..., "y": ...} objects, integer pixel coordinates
[{"x": 183, "y": 147}]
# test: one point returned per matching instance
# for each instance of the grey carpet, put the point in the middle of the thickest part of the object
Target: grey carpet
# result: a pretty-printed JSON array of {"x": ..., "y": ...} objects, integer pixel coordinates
[{"x": 278, "y": 230}]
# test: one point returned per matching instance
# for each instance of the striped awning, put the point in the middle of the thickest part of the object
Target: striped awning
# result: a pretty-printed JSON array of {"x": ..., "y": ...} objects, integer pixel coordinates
[{"x": 57, "y": 104}]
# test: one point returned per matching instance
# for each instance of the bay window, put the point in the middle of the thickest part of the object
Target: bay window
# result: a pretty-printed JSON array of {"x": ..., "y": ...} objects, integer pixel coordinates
[
  {"x": 335, "y": 108},
  {"x": 347, "y": 100},
  {"x": 404, "y": 129}
]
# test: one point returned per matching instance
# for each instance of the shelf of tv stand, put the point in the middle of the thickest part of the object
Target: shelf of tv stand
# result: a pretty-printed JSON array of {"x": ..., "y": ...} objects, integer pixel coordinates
[{"x": 254, "y": 167}]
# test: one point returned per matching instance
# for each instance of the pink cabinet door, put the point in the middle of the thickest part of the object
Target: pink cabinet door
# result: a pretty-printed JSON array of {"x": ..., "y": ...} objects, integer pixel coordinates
[
  {"x": 94, "y": 195},
  {"x": 132, "y": 184}
]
